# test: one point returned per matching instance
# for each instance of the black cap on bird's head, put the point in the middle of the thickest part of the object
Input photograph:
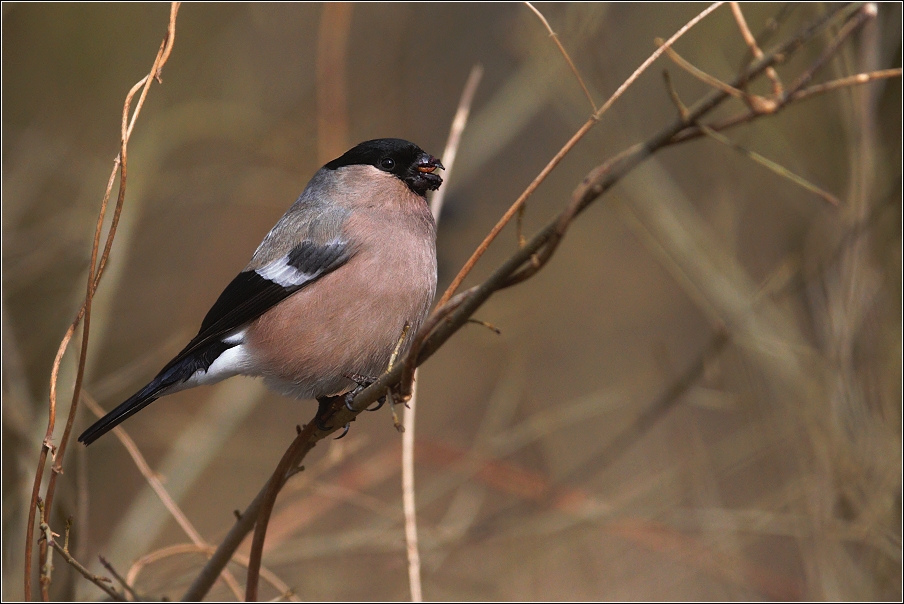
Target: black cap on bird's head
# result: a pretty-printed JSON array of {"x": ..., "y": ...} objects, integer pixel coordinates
[{"x": 406, "y": 161}]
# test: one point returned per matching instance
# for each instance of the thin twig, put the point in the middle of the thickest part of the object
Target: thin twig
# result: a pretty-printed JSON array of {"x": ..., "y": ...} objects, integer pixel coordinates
[
  {"x": 392, "y": 359},
  {"x": 458, "y": 125},
  {"x": 665, "y": 46},
  {"x": 303, "y": 443},
  {"x": 47, "y": 537},
  {"x": 771, "y": 165},
  {"x": 119, "y": 579},
  {"x": 854, "y": 80},
  {"x": 702, "y": 75},
  {"x": 754, "y": 47},
  {"x": 564, "y": 52},
  {"x": 862, "y": 15},
  {"x": 795, "y": 93},
  {"x": 409, "y": 505},
  {"x": 94, "y": 274},
  {"x": 673, "y": 94},
  {"x": 98, "y": 580},
  {"x": 756, "y": 102},
  {"x": 510, "y": 213},
  {"x": 695, "y": 131}
]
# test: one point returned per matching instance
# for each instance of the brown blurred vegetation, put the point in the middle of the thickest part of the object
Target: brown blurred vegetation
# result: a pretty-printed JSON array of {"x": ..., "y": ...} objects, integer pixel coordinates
[{"x": 776, "y": 476}]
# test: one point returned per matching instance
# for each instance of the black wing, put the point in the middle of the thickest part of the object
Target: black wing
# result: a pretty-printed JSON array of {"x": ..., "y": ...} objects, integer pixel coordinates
[
  {"x": 248, "y": 296},
  {"x": 254, "y": 292}
]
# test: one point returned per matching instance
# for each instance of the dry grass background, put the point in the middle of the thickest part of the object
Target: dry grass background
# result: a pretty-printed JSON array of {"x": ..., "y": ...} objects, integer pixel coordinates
[{"x": 778, "y": 476}]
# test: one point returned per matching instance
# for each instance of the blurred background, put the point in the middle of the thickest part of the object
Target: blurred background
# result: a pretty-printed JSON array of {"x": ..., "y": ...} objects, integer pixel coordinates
[{"x": 551, "y": 461}]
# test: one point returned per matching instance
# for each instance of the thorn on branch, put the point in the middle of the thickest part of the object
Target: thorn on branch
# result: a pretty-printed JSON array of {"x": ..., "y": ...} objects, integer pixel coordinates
[{"x": 489, "y": 326}]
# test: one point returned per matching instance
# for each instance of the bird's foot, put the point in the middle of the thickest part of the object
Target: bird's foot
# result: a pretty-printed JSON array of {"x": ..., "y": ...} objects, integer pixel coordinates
[{"x": 362, "y": 381}]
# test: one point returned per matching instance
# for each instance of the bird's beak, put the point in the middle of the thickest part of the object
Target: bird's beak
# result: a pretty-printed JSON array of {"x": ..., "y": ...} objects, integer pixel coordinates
[{"x": 428, "y": 164}]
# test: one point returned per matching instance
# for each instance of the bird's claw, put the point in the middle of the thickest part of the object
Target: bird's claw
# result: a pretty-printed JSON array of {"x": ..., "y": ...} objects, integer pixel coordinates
[
  {"x": 344, "y": 431},
  {"x": 380, "y": 402},
  {"x": 350, "y": 396}
]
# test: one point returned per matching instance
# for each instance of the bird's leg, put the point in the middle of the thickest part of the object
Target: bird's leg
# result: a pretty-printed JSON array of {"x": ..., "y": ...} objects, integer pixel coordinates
[
  {"x": 323, "y": 412},
  {"x": 362, "y": 381}
]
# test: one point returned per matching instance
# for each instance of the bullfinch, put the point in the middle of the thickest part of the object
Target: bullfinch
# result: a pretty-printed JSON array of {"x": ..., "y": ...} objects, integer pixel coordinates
[{"x": 323, "y": 304}]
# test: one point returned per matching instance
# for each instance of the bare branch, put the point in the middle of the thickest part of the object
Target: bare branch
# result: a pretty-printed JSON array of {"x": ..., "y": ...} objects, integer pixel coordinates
[
  {"x": 94, "y": 274},
  {"x": 854, "y": 80},
  {"x": 458, "y": 126},
  {"x": 47, "y": 537},
  {"x": 119, "y": 579},
  {"x": 564, "y": 52}
]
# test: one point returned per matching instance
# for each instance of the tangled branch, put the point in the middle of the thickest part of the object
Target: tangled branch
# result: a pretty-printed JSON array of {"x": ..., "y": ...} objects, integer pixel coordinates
[{"x": 95, "y": 272}]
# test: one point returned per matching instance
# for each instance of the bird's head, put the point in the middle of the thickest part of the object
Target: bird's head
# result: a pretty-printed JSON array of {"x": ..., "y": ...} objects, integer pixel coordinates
[{"x": 404, "y": 160}]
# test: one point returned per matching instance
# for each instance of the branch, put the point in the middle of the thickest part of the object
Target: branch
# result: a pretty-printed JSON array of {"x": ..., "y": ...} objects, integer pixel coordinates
[
  {"x": 119, "y": 579},
  {"x": 408, "y": 497},
  {"x": 795, "y": 92},
  {"x": 564, "y": 52},
  {"x": 754, "y": 47},
  {"x": 47, "y": 537},
  {"x": 95, "y": 272}
]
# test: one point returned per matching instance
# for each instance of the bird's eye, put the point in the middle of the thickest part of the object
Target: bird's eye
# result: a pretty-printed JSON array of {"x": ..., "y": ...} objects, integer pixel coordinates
[{"x": 387, "y": 163}]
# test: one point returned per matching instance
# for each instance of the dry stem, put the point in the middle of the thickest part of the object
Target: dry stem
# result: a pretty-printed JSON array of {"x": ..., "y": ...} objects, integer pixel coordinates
[
  {"x": 594, "y": 118},
  {"x": 94, "y": 274}
]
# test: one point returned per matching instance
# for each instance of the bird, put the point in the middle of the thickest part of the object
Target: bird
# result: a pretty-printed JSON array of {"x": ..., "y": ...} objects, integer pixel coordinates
[{"x": 329, "y": 292}]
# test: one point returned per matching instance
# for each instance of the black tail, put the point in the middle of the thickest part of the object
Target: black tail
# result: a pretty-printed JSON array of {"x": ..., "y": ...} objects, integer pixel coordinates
[
  {"x": 186, "y": 364},
  {"x": 131, "y": 406}
]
